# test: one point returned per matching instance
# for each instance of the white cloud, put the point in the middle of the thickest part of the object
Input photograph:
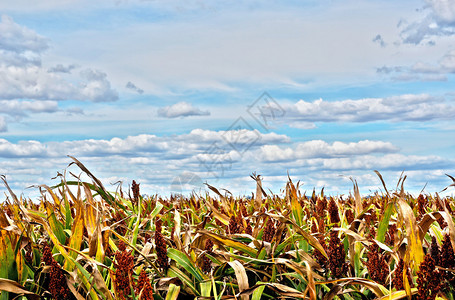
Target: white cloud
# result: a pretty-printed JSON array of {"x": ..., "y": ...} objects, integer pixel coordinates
[
  {"x": 33, "y": 82},
  {"x": 210, "y": 136},
  {"x": 19, "y": 39},
  {"x": 20, "y": 108},
  {"x": 198, "y": 141},
  {"x": 444, "y": 10},
  {"x": 96, "y": 87},
  {"x": 439, "y": 21},
  {"x": 322, "y": 149},
  {"x": 131, "y": 145},
  {"x": 181, "y": 109},
  {"x": 22, "y": 149},
  {"x": 23, "y": 77},
  {"x": 409, "y": 107},
  {"x": 159, "y": 160},
  {"x": 302, "y": 125}
]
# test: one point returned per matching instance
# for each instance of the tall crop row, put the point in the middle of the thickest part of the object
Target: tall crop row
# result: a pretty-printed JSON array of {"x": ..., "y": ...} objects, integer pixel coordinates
[{"x": 80, "y": 241}]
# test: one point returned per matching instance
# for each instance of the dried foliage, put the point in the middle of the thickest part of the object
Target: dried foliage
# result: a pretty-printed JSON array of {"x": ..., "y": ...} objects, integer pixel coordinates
[{"x": 110, "y": 245}]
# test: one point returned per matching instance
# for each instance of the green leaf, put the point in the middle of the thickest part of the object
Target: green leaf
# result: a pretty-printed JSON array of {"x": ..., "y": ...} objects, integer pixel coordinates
[
  {"x": 56, "y": 226},
  {"x": 156, "y": 210},
  {"x": 206, "y": 288},
  {"x": 68, "y": 217},
  {"x": 227, "y": 242},
  {"x": 384, "y": 225},
  {"x": 183, "y": 260},
  {"x": 173, "y": 292},
  {"x": 257, "y": 294},
  {"x": 175, "y": 272},
  {"x": 8, "y": 266},
  {"x": 86, "y": 279}
]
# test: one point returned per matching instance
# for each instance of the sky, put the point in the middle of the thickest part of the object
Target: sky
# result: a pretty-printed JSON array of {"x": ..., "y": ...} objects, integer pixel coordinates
[{"x": 175, "y": 94}]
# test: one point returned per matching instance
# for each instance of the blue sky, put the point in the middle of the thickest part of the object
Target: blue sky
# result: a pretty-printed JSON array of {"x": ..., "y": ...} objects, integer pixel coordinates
[{"x": 177, "y": 93}]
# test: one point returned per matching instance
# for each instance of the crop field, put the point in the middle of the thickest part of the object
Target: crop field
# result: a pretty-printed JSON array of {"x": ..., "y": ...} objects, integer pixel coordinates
[{"x": 81, "y": 241}]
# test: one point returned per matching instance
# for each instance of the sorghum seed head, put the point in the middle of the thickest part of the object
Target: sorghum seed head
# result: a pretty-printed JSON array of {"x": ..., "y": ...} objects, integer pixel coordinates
[
  {"x": 124, "y": 263},
  {"x": 58, "y": 285},
  {"x": 135, "y": 189},
  {"x": 161, "y": 250},
  {"x": 234, "y": 226},
  {"x": 376, "y": 264},
  {"x": 337, "y": 256},
  {"x": 144, "y": 287},
  {"x": 333, "y": 211},
  {"x": 269, "y": 231},
  {"x": 434, "y": 251},
  {"x": 428, "y": 280}
]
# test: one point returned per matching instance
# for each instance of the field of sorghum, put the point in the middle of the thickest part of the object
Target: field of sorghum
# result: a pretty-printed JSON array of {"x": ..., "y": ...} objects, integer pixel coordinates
[{"x": 82, "y": 242}]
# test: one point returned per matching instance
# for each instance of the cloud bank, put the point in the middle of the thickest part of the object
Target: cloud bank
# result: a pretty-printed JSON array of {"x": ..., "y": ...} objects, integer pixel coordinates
[{"x": 403, "y": 108}]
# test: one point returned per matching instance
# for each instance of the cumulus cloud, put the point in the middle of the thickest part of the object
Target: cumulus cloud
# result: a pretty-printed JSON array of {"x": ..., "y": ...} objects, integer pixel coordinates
[
  {"x": 322, "y": 149},
  {"x": 131, "y": 145},
  {"x": 20, "y": 108},
  {"x": 23, "y": 77},
  {"x": 22, "y": 149},
  {"x": 408, "y": 107},
  {"x": 181, "y": 109},
  {"x": 19, "y": 39},
  {"x": 439, "y": 21},
  {"x": 210, "y": 136},
  {"x": 158, "y": 160},
  {"x": 184, "y": 145},
  {"x": 33, "y": 82},
  {"x": 96, "y": 87},
  {"x": 444, "y": 10}
]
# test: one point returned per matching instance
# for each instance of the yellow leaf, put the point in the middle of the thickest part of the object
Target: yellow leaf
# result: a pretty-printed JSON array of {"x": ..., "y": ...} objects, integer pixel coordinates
[{"x": 414, "y": 249}]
